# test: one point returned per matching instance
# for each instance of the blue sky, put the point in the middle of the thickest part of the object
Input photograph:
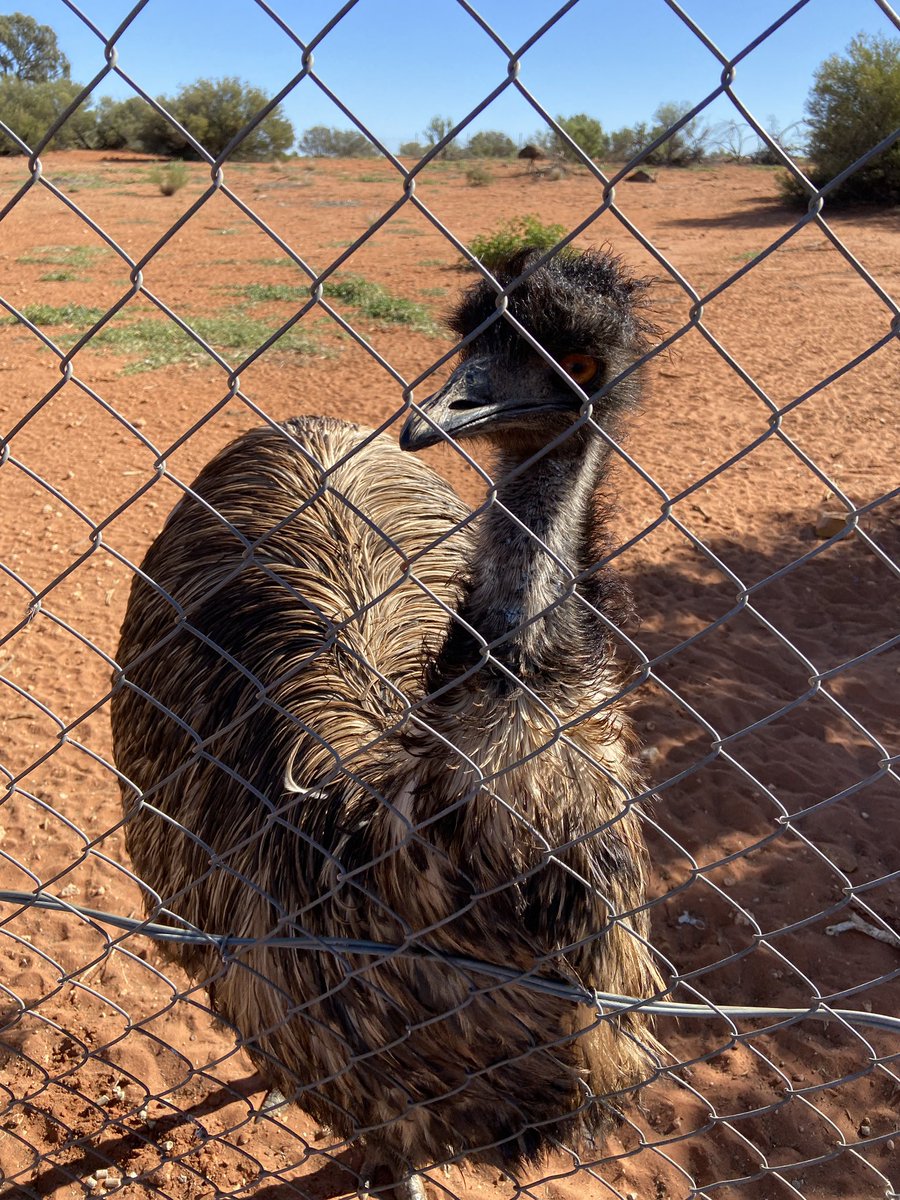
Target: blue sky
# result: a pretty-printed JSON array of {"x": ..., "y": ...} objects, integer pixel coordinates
[{"x": 396, "y": 63}]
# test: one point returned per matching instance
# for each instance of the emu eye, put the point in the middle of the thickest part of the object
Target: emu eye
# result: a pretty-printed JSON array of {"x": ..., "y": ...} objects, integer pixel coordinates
[{"x": 582, "y": 367}]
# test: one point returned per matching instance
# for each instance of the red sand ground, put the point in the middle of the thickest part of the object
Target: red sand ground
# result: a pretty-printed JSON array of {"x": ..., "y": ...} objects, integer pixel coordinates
[{"x": 116, "y": 1064}]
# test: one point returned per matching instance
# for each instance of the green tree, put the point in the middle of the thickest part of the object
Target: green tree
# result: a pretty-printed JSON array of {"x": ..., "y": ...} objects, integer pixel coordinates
[
  {"x": 324, "y": 141},
  {"x": 29, "y": 51},
  {"x": 687, "y": 145},
  {"x": 490, "y": 143},
  {"x": 30, "y": 109},
  {"x": 853, "y": 105},
  {"x": 435, "y": 131},
  {"x": 585, "y": 131},
  {"x": 214, "y": 111},
  {"x": 628, "y": 141}
]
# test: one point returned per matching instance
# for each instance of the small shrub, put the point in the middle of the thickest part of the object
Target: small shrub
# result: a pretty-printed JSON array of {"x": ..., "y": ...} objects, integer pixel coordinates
[
  {"x": 171, "y": 177},
  {"x": 493, "y": 248},
  {"x": 478, "y": 176}
]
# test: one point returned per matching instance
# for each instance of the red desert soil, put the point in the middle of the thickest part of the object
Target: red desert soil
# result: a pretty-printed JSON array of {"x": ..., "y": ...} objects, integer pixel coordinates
[{"x": 116, "y": 1065}]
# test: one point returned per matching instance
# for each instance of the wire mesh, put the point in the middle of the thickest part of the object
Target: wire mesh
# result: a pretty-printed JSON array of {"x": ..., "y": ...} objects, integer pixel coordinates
[{"x": 764, "y": 703}]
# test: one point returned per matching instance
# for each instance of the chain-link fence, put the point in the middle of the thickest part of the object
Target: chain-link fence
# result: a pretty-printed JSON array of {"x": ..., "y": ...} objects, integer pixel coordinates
[{"x": 374, "y": 828}]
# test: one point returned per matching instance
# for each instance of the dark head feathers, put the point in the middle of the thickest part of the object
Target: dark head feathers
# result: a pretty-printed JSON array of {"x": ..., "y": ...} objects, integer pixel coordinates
[{"x": 576, "y": 302}]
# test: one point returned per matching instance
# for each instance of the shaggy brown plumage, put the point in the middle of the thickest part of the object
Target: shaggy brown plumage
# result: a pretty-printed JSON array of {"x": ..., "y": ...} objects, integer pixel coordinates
[{"x": 315, "y": 744}]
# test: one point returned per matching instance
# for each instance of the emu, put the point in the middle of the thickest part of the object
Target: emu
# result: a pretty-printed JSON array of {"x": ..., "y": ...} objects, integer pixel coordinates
[{"x": 345, "y": 709}]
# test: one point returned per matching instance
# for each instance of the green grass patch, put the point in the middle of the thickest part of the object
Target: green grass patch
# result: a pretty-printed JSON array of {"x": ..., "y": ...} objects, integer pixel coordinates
[
  {"x": 263, "y": 293},
  {"x": 63, "y": 256},
  {"x": 59, "y": 314},
  {"x": 58, "y": 277},
  {"x": 161, "y": 343},
  {"x": 73, "y": 319},
  {"x": 370, "y": 300},
  {"x": 378, "y": 304},
  {"x": 520, "y": 233},
  {"x": 78, "y": 181},
  {"x": 158, "y": 342}
]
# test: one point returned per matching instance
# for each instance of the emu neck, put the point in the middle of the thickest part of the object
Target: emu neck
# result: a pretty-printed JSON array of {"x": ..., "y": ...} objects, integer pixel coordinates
[{"x": 531, "y": 541}]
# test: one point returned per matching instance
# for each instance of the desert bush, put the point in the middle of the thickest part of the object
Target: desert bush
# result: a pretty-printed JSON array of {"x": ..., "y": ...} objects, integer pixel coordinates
[
  {"x": 412, "y": 149},
  {"x": 435, "y": 131},
  {"x": 171, "y": 177},
  {"x": 626, "y": 143},
  {"x": 119, "y": 123},
  {"x": 853, "y": 105},
  {"x": 585, "y": 131},
  {"x": 492, "y": 248},
  {"x": 490, "y": 143},
  {"x": 478, "y": 176},
  {"x": 686, "y": 146},
  {"x": 30, "y": 109},
  {"x": 214, "y": 111},
  {"x": 324, "y": 141}
]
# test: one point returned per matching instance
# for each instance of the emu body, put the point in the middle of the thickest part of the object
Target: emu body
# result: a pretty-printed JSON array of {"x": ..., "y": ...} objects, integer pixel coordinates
[{"x": 317, "y": 741}]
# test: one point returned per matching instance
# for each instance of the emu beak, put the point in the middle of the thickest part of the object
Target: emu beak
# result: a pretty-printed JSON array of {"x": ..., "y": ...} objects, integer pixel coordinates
[{"x": 465, "y": 400}]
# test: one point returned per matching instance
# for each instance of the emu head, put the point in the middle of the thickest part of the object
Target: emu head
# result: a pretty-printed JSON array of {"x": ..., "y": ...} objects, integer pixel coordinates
[{"x": 583, "y": 311}]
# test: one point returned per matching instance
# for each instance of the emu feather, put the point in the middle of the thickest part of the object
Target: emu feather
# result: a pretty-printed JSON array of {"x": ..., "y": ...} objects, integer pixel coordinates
[{"x": 344, "y": 708}]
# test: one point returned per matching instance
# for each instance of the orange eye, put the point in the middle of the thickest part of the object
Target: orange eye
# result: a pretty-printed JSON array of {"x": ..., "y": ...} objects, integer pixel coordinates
[{"x": 582, "y": 367}]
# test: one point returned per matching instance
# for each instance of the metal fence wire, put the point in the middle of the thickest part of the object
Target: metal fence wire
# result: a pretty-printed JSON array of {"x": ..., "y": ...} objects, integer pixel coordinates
[{"x": 774, "y": 1070}]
